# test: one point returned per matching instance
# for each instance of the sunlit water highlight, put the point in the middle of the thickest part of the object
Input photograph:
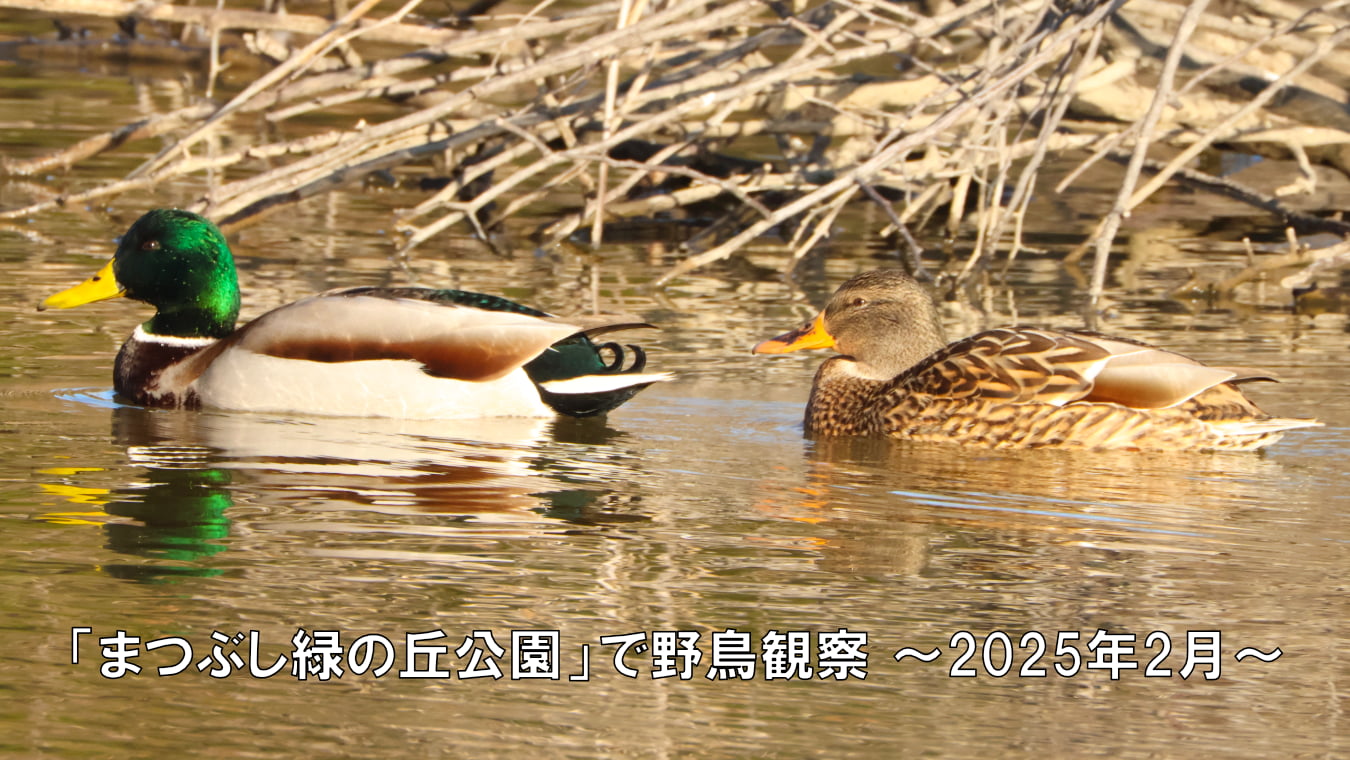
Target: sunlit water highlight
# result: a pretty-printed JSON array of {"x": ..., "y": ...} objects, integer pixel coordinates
[{"x": 697, "y": 507}]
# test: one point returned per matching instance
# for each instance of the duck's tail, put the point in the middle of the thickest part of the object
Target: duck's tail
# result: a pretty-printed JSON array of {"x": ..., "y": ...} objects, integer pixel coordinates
[
  {"x": 1246, "y": 435},
  {"x": 589, "y": 395}
]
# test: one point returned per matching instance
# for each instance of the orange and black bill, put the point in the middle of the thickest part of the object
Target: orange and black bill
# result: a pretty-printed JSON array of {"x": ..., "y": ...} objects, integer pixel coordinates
[{"x": 810, "y": 335}]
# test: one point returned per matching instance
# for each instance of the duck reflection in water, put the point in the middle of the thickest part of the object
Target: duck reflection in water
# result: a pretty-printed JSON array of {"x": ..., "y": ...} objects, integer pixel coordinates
[
  {"x": 878, "y": 507},
  {"x": 316, "y": 474}
]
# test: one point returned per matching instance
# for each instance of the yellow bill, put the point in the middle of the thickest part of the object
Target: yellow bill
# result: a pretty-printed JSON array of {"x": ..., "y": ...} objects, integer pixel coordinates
[{"x": 97, "y": 288}]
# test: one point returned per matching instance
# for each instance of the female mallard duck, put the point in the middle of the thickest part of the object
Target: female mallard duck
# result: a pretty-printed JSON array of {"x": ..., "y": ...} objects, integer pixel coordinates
[
  {"x": 1013, "y": 387},
  {"x": 380, "y": 352}
]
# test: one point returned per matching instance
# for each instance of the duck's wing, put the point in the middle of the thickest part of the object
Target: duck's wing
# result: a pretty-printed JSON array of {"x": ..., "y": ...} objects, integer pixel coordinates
[
  {"x": 447, "y": 339},
  {"x": 1022, "y": 365}
]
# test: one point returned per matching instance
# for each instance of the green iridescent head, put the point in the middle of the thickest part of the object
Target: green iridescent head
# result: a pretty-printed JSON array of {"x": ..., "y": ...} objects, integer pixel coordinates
[{"x": 176, "y": 261}]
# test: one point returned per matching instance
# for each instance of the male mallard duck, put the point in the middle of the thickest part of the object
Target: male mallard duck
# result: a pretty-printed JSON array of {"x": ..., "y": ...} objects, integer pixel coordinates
[
  {"x": 1012, "y": 387},
  {"x": 380, "y": 352}
]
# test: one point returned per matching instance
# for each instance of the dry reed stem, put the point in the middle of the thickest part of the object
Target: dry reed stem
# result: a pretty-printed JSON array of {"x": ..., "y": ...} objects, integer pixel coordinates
[
  {"x": 208, "y": 17},
  {"x": 659, "y": 98},
  {"x": 1225, "y": 128},
  {"x": 294, "y": 64},
  {"x": 895, "y": 149},
  {"x": 1107, "y": 233}
]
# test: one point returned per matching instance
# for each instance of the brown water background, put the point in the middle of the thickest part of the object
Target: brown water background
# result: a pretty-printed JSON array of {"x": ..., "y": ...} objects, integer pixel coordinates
[{"x": 698, "y": 507}]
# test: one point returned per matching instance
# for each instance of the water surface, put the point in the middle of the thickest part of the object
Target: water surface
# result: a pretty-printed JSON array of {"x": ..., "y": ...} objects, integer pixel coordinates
[{"x": 697, "y": 508}]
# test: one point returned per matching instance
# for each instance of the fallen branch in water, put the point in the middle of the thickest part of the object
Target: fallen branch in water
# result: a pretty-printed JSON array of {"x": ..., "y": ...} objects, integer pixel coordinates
[
  {"x": 1313, "y": 261},
  {"x": 146, "y": 128}
]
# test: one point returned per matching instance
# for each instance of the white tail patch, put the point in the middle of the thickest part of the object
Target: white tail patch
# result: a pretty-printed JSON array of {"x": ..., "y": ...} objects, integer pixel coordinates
[
  {"x": 604, "y": 383},
  {"x": 1257, "y": 427}
]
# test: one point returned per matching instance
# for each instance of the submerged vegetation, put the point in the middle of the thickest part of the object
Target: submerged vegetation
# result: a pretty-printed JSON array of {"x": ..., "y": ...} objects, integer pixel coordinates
[{"x": 752, "y": 116}]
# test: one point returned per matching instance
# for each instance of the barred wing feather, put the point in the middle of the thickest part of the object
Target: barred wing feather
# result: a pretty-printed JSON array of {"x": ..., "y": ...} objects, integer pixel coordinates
[{"x": 1028, "y": 365}]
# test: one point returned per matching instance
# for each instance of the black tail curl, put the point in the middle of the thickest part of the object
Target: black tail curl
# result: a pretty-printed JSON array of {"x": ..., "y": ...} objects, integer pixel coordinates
[{"x": 616, "y": 367}]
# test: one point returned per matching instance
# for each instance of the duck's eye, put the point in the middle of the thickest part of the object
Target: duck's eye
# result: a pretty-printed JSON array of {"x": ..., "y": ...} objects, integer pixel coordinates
[
  {"x": 858, "y": 301},
  {"x": 150, "y": 245}
]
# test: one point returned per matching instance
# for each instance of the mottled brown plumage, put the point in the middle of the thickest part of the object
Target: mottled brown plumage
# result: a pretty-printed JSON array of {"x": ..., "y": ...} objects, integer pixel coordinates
[{"x": 1012, "y": 387}]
